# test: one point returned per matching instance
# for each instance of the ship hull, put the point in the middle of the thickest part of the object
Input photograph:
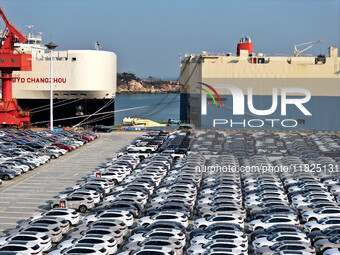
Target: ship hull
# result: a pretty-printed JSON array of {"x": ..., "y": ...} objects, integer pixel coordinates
[{"x": 70, "y": 112}]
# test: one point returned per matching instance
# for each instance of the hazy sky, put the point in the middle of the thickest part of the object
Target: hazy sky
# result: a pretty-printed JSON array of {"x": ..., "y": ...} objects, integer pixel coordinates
[{"x": 149, "y": 35}]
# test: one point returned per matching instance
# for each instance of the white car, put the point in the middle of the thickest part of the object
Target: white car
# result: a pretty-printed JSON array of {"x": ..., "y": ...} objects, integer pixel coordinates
[
  {"x": 280, "y": 194},
  {"x": 161, "y": 216},
  {"x": 22, "y": 246},
  {"x": 299, "y": 187},
  {"x": 72, "y": 216},
  {"x": 91, "y": 193},
  {"x": 150, "y": 250},
  {"x": 220, "y": 218},
  {"x": 124, "y": 216},
  {"x": 320, "y": 213},
  {"x": 56, "y": 149},
  {"x": 322, "y": 224},
  {"x": 279, "y": 237},
  {"x": 218, "y": 244},
  {"x": 286, "y": 246},
  {"x": 273, "y": 220},
  {"x": 302, "y": 197},
  {"x": 133, "y": 195},
  {"x": 40, "y": 238},
  {"x": 100, "y": 241},
  {"x": 220, "y": 234},
  {"x": 174, "y": 234},
  {"x": 81, "y": 249},
  {"x": 260, "y": 199}
]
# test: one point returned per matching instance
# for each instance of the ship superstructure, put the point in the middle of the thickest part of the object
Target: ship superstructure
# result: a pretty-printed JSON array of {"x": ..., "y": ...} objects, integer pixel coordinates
[{"x": 254, "y": 89}]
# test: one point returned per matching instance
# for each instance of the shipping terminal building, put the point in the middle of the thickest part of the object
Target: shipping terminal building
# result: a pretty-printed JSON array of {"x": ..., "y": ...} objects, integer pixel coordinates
[{"x": 253, "y": 91}]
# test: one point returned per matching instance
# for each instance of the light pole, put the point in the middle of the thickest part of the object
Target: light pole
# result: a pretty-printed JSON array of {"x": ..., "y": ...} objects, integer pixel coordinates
[{"x": 51, "y": 46}]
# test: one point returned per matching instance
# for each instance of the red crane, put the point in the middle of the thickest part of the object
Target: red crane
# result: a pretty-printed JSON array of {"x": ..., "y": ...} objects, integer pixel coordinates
[{"x": 12, "y": 60}]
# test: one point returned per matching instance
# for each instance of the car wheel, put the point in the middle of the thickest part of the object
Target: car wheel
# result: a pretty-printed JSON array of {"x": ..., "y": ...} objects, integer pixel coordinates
[
  {"x": 312, "y": 219},
  {"x": 82, "y": 208},
  {"x": 327, "y": 248},
  {"x": 315, "y": 229},
  {"x": 145, "y": 225},
  {"x": 53, "y": 157},
  {"x": 6, "y": 178},
  {"x": 108, "y": 131},
  {"x": 203, "y": 226},
  {"x": 258, "y": 228}
]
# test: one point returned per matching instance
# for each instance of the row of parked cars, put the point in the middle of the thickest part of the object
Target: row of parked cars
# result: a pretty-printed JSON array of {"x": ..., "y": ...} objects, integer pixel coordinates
[
  {"x": 244, "y": 145},
  {"x": 24, "y": 150}
]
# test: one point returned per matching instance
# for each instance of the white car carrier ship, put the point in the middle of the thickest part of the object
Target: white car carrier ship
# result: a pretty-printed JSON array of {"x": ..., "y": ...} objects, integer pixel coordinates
[
  {"x": 261, "y": 92},
  {"x": 84, "y": 84}
]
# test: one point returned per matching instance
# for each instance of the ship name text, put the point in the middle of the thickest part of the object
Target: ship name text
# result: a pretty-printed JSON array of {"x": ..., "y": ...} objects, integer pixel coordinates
[{"x": 38, "y": 80}]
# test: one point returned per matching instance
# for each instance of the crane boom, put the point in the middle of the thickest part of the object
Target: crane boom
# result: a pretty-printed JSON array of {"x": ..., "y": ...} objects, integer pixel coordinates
[
  {"x": 10, "y": 112},
  {"x": 12, "y": 29},
  {"x": 298, "y": 52}
]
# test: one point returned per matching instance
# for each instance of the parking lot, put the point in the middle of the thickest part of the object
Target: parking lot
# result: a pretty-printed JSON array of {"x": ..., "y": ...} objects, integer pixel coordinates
[
  {"x": 28, "y": 193},
  {"x": 187, "y": 193}
]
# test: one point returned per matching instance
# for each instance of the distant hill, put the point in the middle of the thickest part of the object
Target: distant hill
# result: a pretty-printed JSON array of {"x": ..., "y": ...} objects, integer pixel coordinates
[{"x": 129, "y": 83}]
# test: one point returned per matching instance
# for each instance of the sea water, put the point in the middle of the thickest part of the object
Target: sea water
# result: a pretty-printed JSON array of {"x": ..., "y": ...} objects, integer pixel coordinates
[{"x": 159, "y": 107}]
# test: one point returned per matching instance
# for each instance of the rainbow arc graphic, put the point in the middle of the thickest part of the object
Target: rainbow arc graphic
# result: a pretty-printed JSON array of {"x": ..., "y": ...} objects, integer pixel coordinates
[{"x": 209, "y": 93}]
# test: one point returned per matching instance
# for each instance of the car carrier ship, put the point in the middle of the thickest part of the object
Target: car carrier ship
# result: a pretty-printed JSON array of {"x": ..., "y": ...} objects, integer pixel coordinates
[
  {"x": 84, "y": 84},
  {"x": 254, "y": 91}
]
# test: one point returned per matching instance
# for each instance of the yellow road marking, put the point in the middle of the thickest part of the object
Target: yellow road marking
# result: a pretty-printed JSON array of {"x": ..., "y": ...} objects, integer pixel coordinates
[
  {"x": 4, "y": 209},
  {"x": 17, "y": 179}
]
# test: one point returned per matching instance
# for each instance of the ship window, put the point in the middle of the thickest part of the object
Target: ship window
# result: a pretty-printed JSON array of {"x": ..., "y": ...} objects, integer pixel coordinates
[
  {"x": 301, "y": 121},
  {"x": 1, "y": 60},
  {"x": 13, "y": 60},
  {"x": 74, "y": 59},
  {"x": 66, "y": 95}
]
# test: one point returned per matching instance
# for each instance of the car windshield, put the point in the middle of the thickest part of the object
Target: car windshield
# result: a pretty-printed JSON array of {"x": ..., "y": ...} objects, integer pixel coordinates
[
  {"x": 265, "y": 219},
  {"x": 275, "y": 246},
  {"x": 272, "y": 237},
  {"x": 334, "y": 239},
  {"x": 318, "y": 210},
  {"x": 322, "y": 220}
]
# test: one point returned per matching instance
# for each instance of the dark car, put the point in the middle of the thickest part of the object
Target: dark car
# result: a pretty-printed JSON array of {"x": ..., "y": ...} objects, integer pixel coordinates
[
  {"x": 6, "y": 174},
  {"x": 102, "y": 128}
]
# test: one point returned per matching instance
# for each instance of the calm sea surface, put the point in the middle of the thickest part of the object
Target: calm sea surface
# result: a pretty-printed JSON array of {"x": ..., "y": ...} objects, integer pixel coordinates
[{"x": 161, "y": 107}]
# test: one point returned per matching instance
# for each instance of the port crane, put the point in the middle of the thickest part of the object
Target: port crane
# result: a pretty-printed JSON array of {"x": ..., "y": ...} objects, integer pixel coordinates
[
  {"x": 298, "y": 52},
  {"x": 12, "y": 60}
]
